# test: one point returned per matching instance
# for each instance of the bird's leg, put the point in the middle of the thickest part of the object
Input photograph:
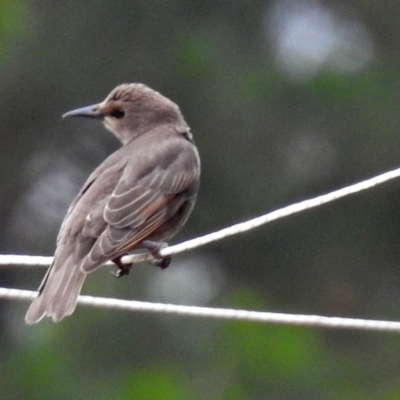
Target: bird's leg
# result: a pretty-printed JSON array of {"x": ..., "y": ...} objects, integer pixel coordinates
[
  {"x": 154, "y": 248},
  {"x": 123, "y": 269}
]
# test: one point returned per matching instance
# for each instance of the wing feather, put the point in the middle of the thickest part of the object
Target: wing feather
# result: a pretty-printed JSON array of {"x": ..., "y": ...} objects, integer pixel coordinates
[{"x": 145, "y": 197}]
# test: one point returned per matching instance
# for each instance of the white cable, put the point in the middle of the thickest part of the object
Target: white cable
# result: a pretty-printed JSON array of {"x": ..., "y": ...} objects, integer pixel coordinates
[
  {"x": 221, "y": 313},
  {"x": 232, "y": 230},
  {"x": 283, "y": 212},
  {"x": 13, "y": 259}
]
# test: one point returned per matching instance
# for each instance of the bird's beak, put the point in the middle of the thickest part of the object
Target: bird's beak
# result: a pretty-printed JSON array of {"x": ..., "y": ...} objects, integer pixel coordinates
[{"x": 93, "y": 111}]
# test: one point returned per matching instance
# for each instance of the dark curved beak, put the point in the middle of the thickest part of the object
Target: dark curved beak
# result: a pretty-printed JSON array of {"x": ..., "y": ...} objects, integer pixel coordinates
[{"x": 92, "y": 111}]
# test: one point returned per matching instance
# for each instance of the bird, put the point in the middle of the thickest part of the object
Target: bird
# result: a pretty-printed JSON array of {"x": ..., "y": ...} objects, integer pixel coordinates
[{"x": 138, "y": 198}]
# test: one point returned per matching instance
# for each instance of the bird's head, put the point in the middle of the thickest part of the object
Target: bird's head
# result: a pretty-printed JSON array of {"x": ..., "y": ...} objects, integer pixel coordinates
[{"x": 131, "y": 110}]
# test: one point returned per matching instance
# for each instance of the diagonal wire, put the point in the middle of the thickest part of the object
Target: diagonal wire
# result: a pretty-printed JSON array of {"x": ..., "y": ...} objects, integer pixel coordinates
[{"x": 232, "y": 230}]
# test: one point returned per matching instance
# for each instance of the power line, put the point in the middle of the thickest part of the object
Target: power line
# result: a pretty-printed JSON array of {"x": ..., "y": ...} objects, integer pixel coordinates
[
  {"x": 232, "y": 230},
  {"x": 221, "y": 313}
]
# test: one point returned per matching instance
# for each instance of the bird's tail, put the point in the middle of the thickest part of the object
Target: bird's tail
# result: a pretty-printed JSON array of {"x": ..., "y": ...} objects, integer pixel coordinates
[{"x": 58, "y": 293}]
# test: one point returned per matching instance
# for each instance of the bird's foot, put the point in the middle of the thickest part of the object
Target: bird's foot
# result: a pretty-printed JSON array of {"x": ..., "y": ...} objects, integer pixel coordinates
[
  {"x": 154, "y": 248},
  {"x": 123, "y": 269}
]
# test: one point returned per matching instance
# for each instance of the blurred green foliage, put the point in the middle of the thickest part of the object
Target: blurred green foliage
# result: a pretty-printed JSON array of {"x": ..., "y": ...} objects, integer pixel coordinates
[{"x": 12, "y": 17}]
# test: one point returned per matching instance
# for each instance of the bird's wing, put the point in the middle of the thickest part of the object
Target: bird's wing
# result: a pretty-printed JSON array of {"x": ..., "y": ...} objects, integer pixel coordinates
[
  {"x": 100, "y": 182},
  {"x": 151, "y": 189}
]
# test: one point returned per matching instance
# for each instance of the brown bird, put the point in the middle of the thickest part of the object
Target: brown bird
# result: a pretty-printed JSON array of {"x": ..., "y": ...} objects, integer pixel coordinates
[{"x": 139, "y": 197}]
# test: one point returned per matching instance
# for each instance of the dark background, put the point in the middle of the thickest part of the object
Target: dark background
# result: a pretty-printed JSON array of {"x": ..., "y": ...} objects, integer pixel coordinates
[{"x": 286, "y": 100}]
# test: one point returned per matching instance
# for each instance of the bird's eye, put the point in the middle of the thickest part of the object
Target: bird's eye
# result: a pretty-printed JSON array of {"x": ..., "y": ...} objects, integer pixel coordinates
[{"x": 117, "y": 113}]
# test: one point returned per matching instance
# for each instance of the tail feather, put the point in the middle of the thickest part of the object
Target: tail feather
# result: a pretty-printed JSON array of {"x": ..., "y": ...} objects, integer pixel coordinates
[{"x": 58, "y": 293}]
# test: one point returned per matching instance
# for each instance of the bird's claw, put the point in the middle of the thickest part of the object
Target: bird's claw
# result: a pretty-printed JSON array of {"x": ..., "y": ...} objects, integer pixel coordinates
[
  {"x": 123, "y": 269},
  {"x": 154, "y": 248},
  {"x": 162, "y": 262}
]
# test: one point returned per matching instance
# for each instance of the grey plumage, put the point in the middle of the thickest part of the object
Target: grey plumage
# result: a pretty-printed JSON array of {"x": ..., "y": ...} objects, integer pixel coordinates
[{"x": 144, "y": 191}]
